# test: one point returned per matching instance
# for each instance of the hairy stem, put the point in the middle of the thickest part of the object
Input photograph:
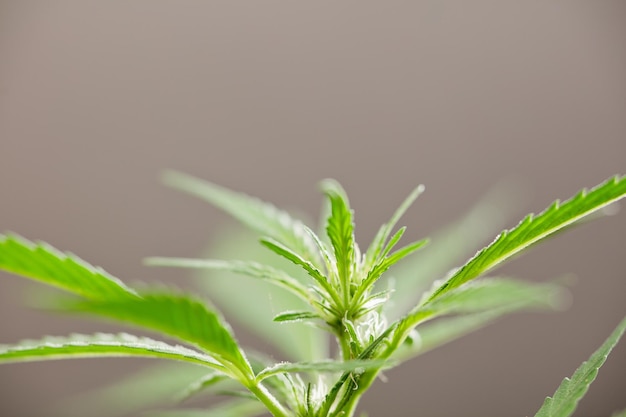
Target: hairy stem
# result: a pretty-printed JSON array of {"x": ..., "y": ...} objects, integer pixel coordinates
[{"x": 267, "y": 399}]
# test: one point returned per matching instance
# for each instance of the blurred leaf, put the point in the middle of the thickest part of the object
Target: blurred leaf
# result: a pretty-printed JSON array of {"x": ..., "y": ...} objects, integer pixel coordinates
[
  {"x": 619, "y": 413},
  {"x": 148, "y": 388},
  {"x": 492, "y": 293},
  {"x": 565, "y": 400},
  {"x": 236, "y": 408},
  {"x": 480, "y": 296},
  {"x": 259, "y": 302},
  {"x": 250, "y": 268},
  {"x": 439, "y": 332},
  {"x": 252, "y": 212},
  {"x": 201, "y": 384},
  {"x": 447, "y": 248}
]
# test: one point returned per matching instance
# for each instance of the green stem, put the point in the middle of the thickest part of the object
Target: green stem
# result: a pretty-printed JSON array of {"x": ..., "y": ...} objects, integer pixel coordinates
[
  {"x": 353, "y": 393},
  {"x": 267, "y": 399},
  {"x": 343, "y": 340}
]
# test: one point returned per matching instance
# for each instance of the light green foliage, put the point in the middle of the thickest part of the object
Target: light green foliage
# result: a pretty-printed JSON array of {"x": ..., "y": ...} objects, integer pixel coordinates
[
  {"x": 42, "y": 262},
  {"x": 158, "y": 385},
  {"x": 99, "y": 345},
  {"x": 535, "y": 228},
  {"x": 324, "y": 287},
  {"x": 254, "y": 213},
  {"x": 179, "y": 316},
  {"x": 619, "y": 414},
  {"x": 566, "y": 398},
  {"x": 236, "y": 408}
]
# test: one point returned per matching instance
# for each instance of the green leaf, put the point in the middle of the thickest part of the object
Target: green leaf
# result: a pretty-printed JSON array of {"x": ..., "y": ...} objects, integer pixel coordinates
[
  {"x": 315, "y": 273},
  {"x": 249, "y": 268},
  {"x": 201, "y": 384},
  {"x": 323, "y": 250},
  {"x": 384, "y": 264},
  {"x": 100, "y": 345},
  {"x": 340, "y": 230},
  {"x": 535, "y": 228},
  {"x": 619, "y": 413},
  {"x": 375, "y": 249},
  {"x": 179, "y": 316},
  {"x": 358, "y": 366},
  {"x": 449, "y": 247},
  {"x": 295, "y": 316},
  {"x": 435, "y": 334},
  {"x": 486, "y": 294},
  {"x": 483, "y": 295},
  {"x": 254, "y": 213},
  {"x": 44, "y": 263},
  {"x": 255, "y": 307},
  {"x": 571, "y": 390},
  {"x": 150, "y": 387}
]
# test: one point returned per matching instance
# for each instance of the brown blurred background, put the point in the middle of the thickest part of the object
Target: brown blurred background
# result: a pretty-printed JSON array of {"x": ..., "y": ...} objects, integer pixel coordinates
[{"x": 268, "y": 97}]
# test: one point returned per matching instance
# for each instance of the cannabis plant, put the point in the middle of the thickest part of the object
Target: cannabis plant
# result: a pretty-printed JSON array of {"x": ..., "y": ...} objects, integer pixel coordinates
[{"x": 335, "y": 290}]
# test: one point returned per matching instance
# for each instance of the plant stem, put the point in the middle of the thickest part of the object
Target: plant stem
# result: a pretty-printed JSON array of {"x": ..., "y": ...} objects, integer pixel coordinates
[
  {"x": 267, "y": 399},
  {"x": 344, "y": 344}
]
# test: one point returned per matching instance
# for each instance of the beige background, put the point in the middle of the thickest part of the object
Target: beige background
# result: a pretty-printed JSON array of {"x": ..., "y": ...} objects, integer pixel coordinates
[{"x": 269, "y": 97}]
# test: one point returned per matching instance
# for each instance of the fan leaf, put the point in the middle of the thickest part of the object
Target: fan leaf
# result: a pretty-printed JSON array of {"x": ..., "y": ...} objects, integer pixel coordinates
[
  {"x": 100, "y": 345},
  {"x": 535, "y": 228},
  {"x": 340, "y": 231},
  {"x": 179, "y": 316},
  {"x": 46, "y": 264}
]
